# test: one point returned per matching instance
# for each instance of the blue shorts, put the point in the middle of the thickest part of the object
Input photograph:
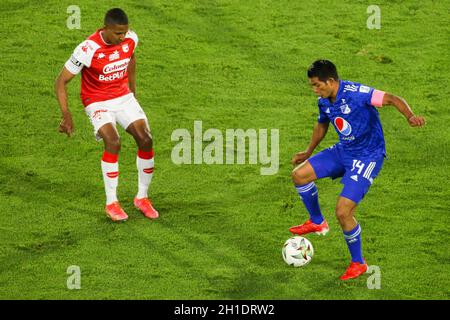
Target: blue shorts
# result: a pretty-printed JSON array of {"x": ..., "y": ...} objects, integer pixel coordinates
[{"x": 357, "y": 174}]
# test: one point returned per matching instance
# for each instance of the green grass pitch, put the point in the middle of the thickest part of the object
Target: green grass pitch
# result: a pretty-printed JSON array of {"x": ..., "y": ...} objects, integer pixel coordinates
[{"x": 230, "y": 64}]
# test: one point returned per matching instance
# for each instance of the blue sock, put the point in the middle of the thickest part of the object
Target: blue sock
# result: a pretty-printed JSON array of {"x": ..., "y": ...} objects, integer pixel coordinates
[
  {"x": 353, "y": 239},
  {"x": 310, "y": 198}
]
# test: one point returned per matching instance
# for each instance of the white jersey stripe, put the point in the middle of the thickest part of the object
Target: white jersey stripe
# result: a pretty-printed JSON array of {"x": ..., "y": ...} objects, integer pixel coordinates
[{"x": 369, "y": 170}]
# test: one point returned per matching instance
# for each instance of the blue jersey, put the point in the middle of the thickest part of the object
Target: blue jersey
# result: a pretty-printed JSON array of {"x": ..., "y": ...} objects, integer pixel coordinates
[{"x": 355, "y": 119}]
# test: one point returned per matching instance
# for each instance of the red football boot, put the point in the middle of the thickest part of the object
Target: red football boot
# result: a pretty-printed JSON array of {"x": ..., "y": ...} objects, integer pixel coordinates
[
  {"x": 146, "y": 207},
  {"x": 355, "y": 270},
  {"x": 115, "y": 212},
  {"x": 309, "y": 227}
]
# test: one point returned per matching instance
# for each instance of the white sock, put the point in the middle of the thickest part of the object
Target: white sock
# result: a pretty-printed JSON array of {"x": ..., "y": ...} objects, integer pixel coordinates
[
  {"x": 145, "y": 164},
  {"x": 110, "y": 170}
]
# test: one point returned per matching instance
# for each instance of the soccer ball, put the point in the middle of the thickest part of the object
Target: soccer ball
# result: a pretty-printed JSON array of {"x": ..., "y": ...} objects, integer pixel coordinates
[{"x": 297, "y": 251}]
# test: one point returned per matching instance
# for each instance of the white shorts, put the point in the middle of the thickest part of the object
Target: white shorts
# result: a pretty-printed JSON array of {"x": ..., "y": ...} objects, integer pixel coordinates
[{"x": 124, "y": 110}]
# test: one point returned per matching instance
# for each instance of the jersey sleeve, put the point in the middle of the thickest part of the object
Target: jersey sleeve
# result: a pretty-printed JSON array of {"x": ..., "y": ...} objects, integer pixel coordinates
[
  {"x": 133, "y": 36},
  {"x": 371, "y": 96},
  {"x": 81, "y": 56},
  {"x": 323, "y": 117}
]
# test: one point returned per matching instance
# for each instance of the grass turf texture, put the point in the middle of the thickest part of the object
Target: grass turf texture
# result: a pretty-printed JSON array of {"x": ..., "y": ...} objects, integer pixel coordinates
[{"x": 232, "y": 65}]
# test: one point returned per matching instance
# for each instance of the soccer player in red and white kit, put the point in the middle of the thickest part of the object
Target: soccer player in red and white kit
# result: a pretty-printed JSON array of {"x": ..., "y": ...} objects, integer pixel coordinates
[{"x": 107, "y": 64}]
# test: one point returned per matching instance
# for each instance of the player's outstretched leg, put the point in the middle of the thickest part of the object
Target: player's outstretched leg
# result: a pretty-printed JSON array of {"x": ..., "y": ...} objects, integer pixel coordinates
[
  {"x": 345, "y": 209},
  {"x": 110, "y": 170},
  {"x": 145, "y": 165},
  {"x": 303, "y": 177}
]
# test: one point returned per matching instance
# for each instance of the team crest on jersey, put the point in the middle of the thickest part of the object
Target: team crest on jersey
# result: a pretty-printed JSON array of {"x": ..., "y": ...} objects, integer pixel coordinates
[
  {"x": 343, "y": 126},
  {"x": 345, "y": 109},
  {"x": 86, "y": 47},
  {"x": 125, "y": 48},
  {"x": 114, "y": 56}
]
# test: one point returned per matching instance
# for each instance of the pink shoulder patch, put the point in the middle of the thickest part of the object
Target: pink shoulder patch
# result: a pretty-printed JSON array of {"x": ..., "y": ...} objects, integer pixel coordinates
[{"x": 377, "y": 98}]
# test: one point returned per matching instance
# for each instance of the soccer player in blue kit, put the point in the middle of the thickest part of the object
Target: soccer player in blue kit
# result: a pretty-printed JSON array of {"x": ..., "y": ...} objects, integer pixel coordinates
[{"x": 357, "y": 157}]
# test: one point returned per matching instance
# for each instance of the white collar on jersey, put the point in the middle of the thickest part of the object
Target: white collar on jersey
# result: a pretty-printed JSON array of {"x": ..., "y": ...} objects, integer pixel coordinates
[{"x": 101, "y": 37}]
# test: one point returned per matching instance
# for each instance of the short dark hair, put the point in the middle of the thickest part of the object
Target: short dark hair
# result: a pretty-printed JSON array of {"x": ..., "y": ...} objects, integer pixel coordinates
[
  {"x": 116, "y": 16},
  {"x": 323, "y": 69}
]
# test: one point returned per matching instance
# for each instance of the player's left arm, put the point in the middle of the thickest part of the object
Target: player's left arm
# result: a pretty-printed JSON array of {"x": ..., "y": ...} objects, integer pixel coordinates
[
  {"x": 403, "y": 107},
  {"x": 132, "y": 74}
]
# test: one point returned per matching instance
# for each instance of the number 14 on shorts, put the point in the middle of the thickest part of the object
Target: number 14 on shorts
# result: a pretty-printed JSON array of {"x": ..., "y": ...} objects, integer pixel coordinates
[{"x": 359, "y": 165}]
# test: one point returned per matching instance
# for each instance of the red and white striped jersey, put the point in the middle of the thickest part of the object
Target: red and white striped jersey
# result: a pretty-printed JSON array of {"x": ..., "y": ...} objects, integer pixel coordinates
[{"x": 103, "y": 67}]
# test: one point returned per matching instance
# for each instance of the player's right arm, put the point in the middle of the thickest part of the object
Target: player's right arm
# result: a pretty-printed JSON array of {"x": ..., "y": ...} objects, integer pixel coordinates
[
  {"x": 80, "y": 58},
  {"x": 66, "y": 125},
  {"x": 319, "y": 132}
]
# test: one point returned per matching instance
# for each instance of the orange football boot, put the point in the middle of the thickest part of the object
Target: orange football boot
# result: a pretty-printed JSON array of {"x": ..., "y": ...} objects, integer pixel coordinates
[
  {"x": 355, "y": 270},
  {"x": 115, "y": 212},
  {"x": 309, "y": 227},
  {"x": 146, "y": 207}
]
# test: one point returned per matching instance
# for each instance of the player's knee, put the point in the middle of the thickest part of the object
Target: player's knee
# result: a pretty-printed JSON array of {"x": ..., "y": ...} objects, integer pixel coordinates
[
  {"x": 342, "y": 213},
  {"x": 145, "y": 141},
  {"x": 113, "y": 144},
  {"x": 299, "y": 178}
]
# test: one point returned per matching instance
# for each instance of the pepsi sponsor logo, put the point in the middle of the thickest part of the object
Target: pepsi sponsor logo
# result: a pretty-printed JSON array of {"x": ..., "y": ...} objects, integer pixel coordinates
[{"x": 343, "y": 126}]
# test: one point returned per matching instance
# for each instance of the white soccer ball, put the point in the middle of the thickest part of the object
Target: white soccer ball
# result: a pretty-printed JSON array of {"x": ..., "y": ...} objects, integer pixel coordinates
[{"x": 297, "y": 251}]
